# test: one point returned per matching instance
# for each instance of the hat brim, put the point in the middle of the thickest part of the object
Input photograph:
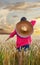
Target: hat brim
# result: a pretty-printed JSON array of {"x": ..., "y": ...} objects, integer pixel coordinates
[{"x": 29, "y": 27}]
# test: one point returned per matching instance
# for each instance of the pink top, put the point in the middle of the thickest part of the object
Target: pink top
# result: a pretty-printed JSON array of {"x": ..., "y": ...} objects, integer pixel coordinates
[{"x": 20, "y": 40}]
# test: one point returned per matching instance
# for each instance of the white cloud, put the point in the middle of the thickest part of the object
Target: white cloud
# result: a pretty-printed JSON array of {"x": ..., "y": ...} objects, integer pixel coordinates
[
  {"x": 3, "y": 15},
  {"x": 23, "y": 6}
]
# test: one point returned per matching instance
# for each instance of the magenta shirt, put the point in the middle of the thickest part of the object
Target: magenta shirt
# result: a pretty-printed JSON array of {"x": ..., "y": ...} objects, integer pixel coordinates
[{"x": 20, "y": 40}]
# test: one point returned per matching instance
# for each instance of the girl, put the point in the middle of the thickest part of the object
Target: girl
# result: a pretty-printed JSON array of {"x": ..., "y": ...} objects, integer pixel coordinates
[{"x": 23, "y": 32}]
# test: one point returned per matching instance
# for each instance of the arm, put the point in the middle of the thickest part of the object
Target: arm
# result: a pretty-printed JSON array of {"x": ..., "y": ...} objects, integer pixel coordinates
[
  {"x": 33, "y": 22},
  {"x": 11, "y": 35}
]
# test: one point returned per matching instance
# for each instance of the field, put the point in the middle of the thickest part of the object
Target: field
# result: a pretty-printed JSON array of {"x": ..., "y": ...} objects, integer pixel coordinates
[
  {"x": 11, "y": 12},
  {"x": 10, "y": 56}
]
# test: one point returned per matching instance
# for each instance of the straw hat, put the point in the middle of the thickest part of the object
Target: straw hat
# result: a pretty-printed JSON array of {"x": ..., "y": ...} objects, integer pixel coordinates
[{"x": 24, "y": 28}]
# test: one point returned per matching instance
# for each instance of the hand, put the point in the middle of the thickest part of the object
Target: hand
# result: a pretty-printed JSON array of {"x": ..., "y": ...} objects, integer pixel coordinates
[{"x": 7, "y": 39}]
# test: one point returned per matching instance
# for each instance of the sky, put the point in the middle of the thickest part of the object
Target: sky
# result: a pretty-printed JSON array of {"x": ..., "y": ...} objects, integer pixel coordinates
[
  {"x": 12, "y": 14},
  {"x": 19, "y": 10},
  {"x": 29, "y": 11},
  {"x": 14, "y": 1}
]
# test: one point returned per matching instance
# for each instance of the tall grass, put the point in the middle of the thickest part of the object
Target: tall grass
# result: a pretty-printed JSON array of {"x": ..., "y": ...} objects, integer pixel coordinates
[{"x": 10, "y": 56}]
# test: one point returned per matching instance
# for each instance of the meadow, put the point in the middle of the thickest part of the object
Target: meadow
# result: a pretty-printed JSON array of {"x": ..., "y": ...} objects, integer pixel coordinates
[{"x": 10, "y": 56}]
